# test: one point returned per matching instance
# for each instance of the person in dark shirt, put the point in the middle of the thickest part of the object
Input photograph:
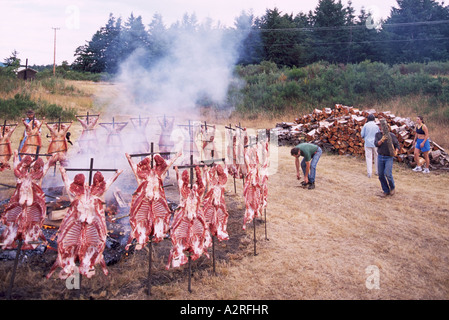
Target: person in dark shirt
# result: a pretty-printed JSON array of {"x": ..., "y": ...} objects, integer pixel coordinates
[
  {"x": 385, "y": 162},
  {"x": 311, "y": 154}
]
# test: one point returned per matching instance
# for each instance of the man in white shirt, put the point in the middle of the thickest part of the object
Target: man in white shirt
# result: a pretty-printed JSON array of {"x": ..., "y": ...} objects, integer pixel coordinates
[{"x": 369, "y": 131}]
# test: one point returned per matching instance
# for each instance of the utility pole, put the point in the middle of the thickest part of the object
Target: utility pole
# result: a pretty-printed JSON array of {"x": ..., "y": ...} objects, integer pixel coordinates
[{"x": 54, "y": 53}]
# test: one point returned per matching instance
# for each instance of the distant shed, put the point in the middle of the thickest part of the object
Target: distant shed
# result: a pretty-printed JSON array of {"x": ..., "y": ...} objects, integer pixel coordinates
[{"x": 26, "y": 74}]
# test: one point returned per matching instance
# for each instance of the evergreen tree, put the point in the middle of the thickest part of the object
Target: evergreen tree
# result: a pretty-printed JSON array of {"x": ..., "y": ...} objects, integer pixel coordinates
[
  {"x": 330, "y": 37},
  {"x": 417, "y": 31},
  {"x": 280, "y": 38}
]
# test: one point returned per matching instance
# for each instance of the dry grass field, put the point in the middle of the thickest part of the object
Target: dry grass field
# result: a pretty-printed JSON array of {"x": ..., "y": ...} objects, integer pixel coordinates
[{"x": 322, "y": 244}]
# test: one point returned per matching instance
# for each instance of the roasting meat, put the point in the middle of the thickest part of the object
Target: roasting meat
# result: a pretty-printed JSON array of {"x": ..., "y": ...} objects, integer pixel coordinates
[
  {"x": 149, "y": 212},
  {"x": 165, "y": 142},
  {"x": 214, "y": 203},
  {"x": 263, "y": 172},
  {"x": 114, "y": 142},
  {"x": 208, "y": 142},
  {"x": 189, "y": 232},
  {"x": 252, "y": 190},
  {"x": 26, "y": 211},
  {"x": 236, "y": 141},
  {"x": 5, "y": 146},
  {"x": 88, "y": 141},
  {"x": 58, "y": 144},
  {"x": 32, "y": 140},
  {"x": 140, "y": 144},
  {"x": 82, "y": 234}
]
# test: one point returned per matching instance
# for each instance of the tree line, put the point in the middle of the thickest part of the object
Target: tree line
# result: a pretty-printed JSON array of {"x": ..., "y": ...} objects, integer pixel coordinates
[{"x": 415, "y": 31}]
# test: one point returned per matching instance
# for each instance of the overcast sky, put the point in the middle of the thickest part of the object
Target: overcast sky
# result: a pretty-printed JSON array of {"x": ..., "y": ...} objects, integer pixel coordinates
[{"x": 27, "y": 25}]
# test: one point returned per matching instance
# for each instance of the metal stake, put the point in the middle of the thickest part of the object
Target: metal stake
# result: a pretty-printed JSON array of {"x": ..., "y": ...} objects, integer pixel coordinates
[
  {"x": 190, "y": 275},
  {"x": 13, "y": 276},
  {"x": 266, "y": 238},
  {"x": 150, "y": 264},
  {"x": 254, "y": 222}
]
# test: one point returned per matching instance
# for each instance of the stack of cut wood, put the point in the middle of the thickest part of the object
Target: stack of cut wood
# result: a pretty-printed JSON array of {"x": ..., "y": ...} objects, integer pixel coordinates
[{"x": 339, "y": 130}]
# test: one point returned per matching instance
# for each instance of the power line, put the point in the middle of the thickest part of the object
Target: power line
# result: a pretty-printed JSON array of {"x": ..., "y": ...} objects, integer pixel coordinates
[{"x": 356, "y": 26}]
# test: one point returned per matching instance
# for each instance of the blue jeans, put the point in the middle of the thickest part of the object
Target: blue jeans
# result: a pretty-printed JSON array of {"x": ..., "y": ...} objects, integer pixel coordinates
[
  {"x": 313, "y": 163},
  {"x": 385, "y": 170}
]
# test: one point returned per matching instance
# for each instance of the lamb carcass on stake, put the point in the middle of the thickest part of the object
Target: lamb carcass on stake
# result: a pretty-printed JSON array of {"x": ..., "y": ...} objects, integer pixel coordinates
[
  {"x": 33, "y": 140},
  {"x": 252, "y": 189},
  {"x": 165, "y": 142},
  {"x": 189, "y": 230},
  {"x": 214, "y": 202},
  {"x": 5, "y": 145},
  {"x": 58, "y": 144},
  {"x": 140, "y": 144},
  {"x": 208, "y": 142},
  {"x": 26, "y": 211},
  {"x": 82, "y": 234},
  {"x": 149, "y": 212},
  {"x": 263, "y": 171},
  {"x": 88, "y": 142}
]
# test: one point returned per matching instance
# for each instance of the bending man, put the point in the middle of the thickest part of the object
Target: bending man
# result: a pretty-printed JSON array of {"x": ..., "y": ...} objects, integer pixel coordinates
[{"x": 311, "y": 153}]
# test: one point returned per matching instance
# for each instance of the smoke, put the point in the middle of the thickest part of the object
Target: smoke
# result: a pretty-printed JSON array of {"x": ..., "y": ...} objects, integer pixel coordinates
[{"x": 198, "y": 66}]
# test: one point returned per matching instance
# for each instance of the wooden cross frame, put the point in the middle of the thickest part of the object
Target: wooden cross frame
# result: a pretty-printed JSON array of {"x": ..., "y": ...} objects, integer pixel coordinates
[
  {"x": 165, "y": 118},
  {"x": 87, "y": 116},
  {"x": 58, "y": 122},
  {"x": 4, "y": 125},
  {"x": 113, "y": 123},
  {"x": 140, "y": 120},
  {"x": 91, "y": 169}
]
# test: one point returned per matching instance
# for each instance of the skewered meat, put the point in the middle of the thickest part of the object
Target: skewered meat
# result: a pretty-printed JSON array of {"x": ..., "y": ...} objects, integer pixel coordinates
[
  {"x": 58, "y": 144},
  {"x": 82, "y": 234},
  {"x": 230, "y": 152},
  {"x": 32, "y": 140},
  {"x": 88, "y": 141},
  {"x": 214, "y": 203},
  {"x": 141, "y": 144},
  {"x": 149, "y": 212},
  {"x": 239, "y": 138},
  {"x": 242, "y": 141},
  {"x": 263, "y": 172},
  {"x": 5, "y": 146},
  {"x": 189, "y": 230},
  {"x": 208, "y": 142},
  {"x": 26, "y": 211},
  {"x": 252, "y": 188},
  {"x": 165, "y": 142},
  {"x": 114, "y": 142}
]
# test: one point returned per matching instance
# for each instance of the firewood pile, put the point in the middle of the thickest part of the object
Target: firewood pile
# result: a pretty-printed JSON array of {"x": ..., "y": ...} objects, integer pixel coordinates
[{"x": 339, "y": 129}]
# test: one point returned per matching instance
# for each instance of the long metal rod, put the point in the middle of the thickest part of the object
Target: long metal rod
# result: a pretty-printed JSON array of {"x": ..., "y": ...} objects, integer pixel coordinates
[
  {"x": 213, "y": 254},
  {"x": 254, "y": 222},
  {"x": 266, "y": 237},
  {"x": 190, "y": 275},
  {"x": 150, "y": 265},
  {"x": 13, "y": 276}
]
